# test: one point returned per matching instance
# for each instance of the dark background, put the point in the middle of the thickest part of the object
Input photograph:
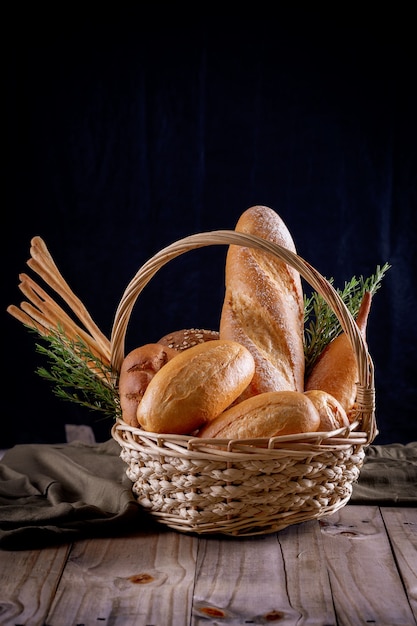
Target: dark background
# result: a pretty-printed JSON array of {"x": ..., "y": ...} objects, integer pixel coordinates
[{"x": 125, "y": 132}]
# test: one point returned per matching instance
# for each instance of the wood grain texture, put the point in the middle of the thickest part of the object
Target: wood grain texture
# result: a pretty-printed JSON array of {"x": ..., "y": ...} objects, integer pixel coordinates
[
  {"x": 401, "y": 525},
  {"x": 366, "y": 586},
  {"x": 241, "y": 581},
  {"x": 355, "y": 567},
  {"x": 145, "y": 579},
  {"x": 28, "y": 581},
  {"x": 307, "y": 575}
]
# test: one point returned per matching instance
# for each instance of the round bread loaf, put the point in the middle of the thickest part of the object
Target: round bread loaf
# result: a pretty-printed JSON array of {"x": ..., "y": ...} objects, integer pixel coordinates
[
  {"x": 268, "y": 414},
  {"x": 195, "y": 386},
  {"x": 138, "y": 368},
  {"x": 187, "y": 338}
]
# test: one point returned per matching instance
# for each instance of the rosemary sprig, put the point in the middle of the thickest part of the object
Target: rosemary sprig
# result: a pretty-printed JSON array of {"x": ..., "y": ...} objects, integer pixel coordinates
[
  {"x": 320, "y": 322},
  {"x": 77, "y": 375}
]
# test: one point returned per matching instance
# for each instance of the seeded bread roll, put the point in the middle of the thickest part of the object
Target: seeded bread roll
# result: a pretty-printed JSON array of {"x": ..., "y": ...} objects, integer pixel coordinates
[
  {"x": 138, "y": 369},
  {"x": 268, "y": 414},
  {"x": 187, "y": 338},
  {"x": 332, "y": 414},
  {"x": 263, "y": 307},
  {"x": 195, "y": 386}
]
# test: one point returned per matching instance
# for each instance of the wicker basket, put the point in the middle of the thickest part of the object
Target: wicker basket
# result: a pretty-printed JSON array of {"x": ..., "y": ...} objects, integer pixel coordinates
[{"x": 244, "y": 487}]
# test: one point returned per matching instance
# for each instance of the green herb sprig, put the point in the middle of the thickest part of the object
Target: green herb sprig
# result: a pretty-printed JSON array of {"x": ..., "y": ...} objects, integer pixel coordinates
[
  {"x": 320, "y": 322},
  {"x": 77, "y": 375}
]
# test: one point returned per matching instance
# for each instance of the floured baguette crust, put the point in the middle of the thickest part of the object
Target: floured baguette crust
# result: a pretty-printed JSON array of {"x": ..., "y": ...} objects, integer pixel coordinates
[
  {"x": 263, "y": 307},
  {"x": 332, "y": 414},
  {"x": 266, "y": 415},
  {"x": 138, "y": 368},
  {"x": 195, "y": 386}
]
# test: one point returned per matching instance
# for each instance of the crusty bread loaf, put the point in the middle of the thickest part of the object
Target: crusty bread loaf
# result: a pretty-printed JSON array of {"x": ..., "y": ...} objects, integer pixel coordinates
[
  {"x": 138, "y": 368},
  {"x": 187, "y": 338},
  {"x": 267, "y": 414},
  {"x": 263, "y": 307},
  {"x": 336, "y": 369},
  {"x": 195, "y": 386},
  {"x": 332, "y": 414}
]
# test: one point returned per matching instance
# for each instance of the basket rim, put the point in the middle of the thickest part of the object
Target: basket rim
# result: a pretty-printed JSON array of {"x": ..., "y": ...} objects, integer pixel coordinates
[
  {"x": 190, "y": 446},
  {"x": 365, "y": 402}
]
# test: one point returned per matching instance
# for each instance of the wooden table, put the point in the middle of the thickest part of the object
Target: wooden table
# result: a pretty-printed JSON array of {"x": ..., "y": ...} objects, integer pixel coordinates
[{"x": 358, "y": 566}]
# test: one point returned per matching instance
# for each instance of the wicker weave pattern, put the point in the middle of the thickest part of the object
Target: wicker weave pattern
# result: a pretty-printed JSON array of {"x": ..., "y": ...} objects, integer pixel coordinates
[
  {"x": 209, "y": 496},
  {"x": 244, "y": 487}
]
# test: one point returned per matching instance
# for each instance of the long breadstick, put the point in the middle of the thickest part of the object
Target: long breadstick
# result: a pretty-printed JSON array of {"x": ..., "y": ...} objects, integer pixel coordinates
[
  {"x": 44, "y": 314},
  {"x": 53, "y": 316},
  {"x": 26, "y": 319},
  {"x": 43, "y": 264}
]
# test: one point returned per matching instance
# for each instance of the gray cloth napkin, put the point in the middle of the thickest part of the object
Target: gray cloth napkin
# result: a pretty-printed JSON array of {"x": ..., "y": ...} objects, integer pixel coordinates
[
  {"x": 54, "y": 493},
  {"x": 388, "y": 476}
]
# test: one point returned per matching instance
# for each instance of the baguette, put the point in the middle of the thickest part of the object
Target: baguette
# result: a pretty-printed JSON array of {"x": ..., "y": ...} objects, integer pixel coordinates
[
  {"x": 195, "y": 386},
  {"x": 336, "y": 369},
  {"x": 263, "y": 308},
  {"x": 267, "y": 414}
]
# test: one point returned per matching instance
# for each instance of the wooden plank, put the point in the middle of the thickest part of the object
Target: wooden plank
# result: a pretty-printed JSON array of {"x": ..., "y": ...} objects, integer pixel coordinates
[
  {"x": 142, "y": 579},
  {"x": 367, "y": 588},
  {"x": 307, "y": 577},
  {"x": 401, "y": 525},
  {"x": 265, "y": 579},
  {"x": 28, "y": 580},
  {"x": 286, "y": 577}
]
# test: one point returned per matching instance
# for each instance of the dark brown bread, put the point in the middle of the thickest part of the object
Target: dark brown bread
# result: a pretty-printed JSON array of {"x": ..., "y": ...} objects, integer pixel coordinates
[{"x": 138, "y": 369}]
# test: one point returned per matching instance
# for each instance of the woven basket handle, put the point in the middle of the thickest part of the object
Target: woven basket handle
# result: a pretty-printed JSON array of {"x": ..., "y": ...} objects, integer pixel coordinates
[{"x": 365, "y": 394}]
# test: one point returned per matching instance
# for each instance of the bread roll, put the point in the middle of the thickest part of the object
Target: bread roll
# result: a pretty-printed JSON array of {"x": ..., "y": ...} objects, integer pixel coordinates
[
  {"x": 137, "y": 370},
  {"x": 266, "y": 415},
  {"x": 332, "y": 414},
  {"x": 263, "y": 307},
  {"x": 336, "y": 369},
  {"x": 187, "y": 338},
  {"x": 195, "y": 386}
]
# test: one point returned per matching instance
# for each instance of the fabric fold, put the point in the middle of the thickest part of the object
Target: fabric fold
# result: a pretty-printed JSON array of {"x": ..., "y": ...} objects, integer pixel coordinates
[{"x": 55, "y": 493}]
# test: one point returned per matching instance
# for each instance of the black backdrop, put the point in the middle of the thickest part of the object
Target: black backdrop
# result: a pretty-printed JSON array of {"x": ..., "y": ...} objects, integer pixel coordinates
[{"x": 126, "y": 132}]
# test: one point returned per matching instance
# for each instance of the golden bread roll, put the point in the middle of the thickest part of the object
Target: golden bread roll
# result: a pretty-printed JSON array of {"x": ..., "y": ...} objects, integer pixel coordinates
[
  {"x": 336, "y": 369},
  {"x": 268, "y": 414},
  {"x": 195, "y": 386},
  {"x": 332, "y": 414},
  {"x": 188, "y": 337},
  {"x": 263, "y": 308},
  {"x": 138, "y": 368}
]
